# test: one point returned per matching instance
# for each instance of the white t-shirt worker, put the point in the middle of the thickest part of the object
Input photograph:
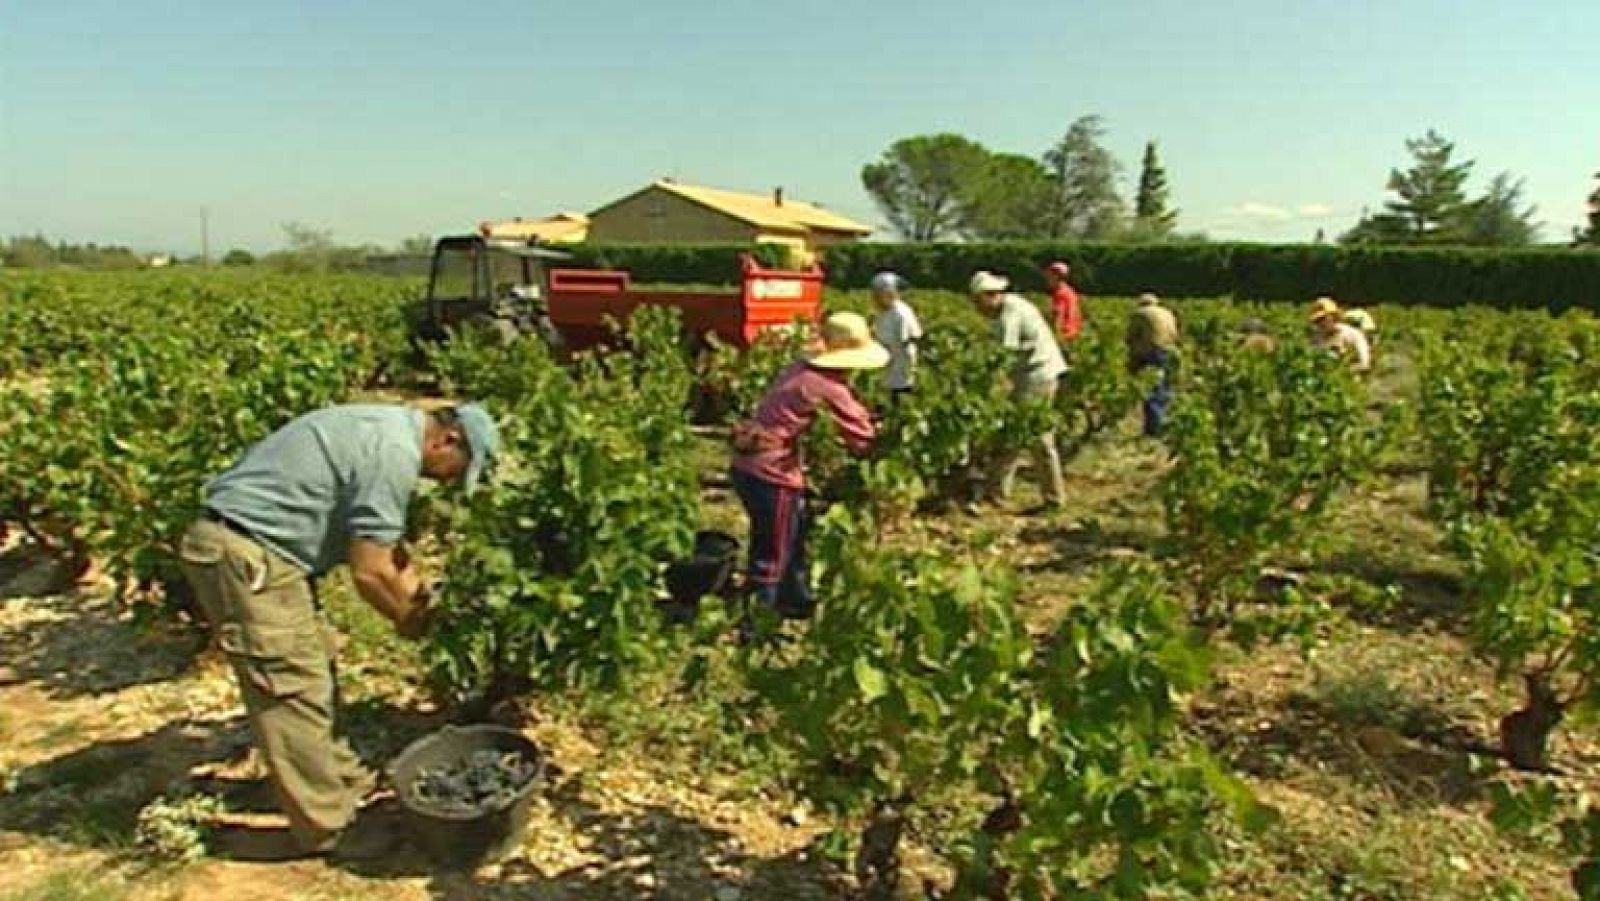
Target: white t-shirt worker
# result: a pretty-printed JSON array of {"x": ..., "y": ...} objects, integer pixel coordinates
[{"x": 896, "y": 328}]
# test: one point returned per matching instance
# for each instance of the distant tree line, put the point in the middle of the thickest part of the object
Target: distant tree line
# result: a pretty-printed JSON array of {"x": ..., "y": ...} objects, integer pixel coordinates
[
  {"x": 39, "y": 252},
  {"x": 306, "y": 249},
  {"x": 950, "y": 187},
  {"x": 943, "y": 187},
  {"x": 309, "y": 249}
]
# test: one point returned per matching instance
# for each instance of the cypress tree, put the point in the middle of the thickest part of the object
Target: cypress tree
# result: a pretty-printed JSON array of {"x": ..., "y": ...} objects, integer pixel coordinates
[{"x": 1150, "y": 206}]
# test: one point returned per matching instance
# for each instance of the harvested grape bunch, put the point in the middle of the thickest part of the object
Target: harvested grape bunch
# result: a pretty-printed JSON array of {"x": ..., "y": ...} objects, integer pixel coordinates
[{"x": 487, "y": 780}]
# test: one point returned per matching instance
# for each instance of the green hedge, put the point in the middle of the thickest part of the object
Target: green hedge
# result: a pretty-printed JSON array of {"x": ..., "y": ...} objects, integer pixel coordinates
[
  {"x": 1173, "y": 269},
  {"x": 1553, "y": 278}
]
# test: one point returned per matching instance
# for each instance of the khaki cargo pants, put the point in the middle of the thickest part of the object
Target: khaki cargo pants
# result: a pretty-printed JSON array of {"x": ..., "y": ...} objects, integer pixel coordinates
[
  {"x": 282, "y": 648},
  {"x": 1046, "y": 458}
]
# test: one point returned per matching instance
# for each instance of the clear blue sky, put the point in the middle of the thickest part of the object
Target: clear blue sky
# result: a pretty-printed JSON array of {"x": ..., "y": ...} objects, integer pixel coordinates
[{"x": 119, "y": 119}]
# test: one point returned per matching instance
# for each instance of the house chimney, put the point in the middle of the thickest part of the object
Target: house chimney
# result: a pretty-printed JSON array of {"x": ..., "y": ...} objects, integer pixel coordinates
[{"x": 777, "y": 196}]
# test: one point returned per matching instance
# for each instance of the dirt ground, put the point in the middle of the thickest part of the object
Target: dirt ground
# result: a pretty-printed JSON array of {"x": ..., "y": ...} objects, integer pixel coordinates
[
  {"x": 1373, "y": 745},
  {"x": 101, "y": 716}
]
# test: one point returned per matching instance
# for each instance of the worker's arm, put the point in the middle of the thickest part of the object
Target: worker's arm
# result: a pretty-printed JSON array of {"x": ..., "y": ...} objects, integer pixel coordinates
[
  {"x": 1008, "y": 329},
  {"x": 380, "y": 568},
  {"x": 853, "y": 420},
  {"x": 388, "y": 583},
  {"x": 910, "y": 334}
]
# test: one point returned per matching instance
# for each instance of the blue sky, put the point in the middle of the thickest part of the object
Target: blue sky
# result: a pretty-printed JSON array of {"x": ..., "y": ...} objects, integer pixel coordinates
[{"x": 119, "y": 120}]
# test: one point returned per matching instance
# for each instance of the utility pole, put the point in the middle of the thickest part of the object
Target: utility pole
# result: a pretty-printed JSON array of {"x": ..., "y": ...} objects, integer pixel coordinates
[{"x": 205, "y": 240}]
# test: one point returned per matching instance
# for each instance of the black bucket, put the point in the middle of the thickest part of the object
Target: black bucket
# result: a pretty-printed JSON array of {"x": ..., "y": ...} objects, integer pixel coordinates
[
  {"x": 707, "y": 572},
  {"x": 460, "y": 839}
]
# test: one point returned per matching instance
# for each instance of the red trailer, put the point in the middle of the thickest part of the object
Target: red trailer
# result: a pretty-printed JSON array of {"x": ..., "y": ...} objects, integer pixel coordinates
[
  {"x": 581, "y": 301},
  {"x": 511, "y": 287}
]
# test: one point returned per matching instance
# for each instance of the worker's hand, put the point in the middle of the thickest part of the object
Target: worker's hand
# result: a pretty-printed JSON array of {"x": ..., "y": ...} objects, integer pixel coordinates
[
  {"x": 419, "y": 618},
  {"x": 402, "y": 557}
]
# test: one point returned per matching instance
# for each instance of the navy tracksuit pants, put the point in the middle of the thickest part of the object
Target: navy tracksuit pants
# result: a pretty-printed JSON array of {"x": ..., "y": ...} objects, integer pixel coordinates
[{"x": 778, "y": 570}]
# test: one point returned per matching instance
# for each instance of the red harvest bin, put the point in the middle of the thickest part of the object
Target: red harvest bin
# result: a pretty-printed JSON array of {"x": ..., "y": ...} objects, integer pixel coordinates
[{"x": 581, "y": 301}]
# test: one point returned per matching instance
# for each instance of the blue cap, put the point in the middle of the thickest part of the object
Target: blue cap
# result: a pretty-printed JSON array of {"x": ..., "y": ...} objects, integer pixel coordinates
[
  {"x": 888, "y": 283},
  {"x": 483, "y": 440}
]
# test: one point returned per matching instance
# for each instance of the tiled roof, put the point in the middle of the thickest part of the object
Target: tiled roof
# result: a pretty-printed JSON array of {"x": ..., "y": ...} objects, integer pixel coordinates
[
  {"x": 559, "y": 227},
  {"x": 764, "y": 210}
]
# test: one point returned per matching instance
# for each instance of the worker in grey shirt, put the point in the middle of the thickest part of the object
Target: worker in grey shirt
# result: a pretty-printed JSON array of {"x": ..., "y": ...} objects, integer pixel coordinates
[
  {"x": 1036, "y": 369},
  {"x": 329, "y": 488}
]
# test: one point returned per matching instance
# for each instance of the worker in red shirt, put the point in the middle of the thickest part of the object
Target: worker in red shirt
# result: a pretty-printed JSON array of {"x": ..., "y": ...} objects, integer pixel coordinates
[
  {"x": 1063, "y": 301},
  {"x": 768, "y": 469}
]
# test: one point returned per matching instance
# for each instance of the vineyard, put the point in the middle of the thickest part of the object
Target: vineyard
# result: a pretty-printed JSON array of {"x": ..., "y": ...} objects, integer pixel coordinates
[{"x": 1331, "y": 637}]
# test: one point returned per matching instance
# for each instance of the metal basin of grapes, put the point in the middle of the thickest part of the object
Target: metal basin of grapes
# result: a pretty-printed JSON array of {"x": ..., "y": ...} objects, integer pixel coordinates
[{"x": 466, "y": 792}]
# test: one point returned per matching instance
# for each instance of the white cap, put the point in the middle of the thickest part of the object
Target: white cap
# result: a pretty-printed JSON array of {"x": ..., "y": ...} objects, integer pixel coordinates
[
  {"x": 887, "y": 283},
  {"x": 986, "y": 282}
]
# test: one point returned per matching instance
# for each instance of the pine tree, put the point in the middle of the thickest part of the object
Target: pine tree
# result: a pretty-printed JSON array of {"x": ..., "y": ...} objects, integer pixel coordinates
[
  {"x": 1591, "y": 235},
  {"x": 1009, "y": 201},
  {"x": 1431, "y": 202},
  {"x": 922, "y": 184},
  {"x": 1431, "y": 207},
  {"x": 1152, "y": 216}
]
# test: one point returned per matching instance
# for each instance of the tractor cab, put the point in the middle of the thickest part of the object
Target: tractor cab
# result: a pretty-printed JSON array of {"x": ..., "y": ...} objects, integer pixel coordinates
[{"x": 494, "y": 283}]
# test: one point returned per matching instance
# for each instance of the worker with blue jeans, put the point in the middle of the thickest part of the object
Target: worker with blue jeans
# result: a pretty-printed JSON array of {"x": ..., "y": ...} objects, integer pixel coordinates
[
  {"x": 1152, "y": 341},
  {"x": 1160, "y": 396}
]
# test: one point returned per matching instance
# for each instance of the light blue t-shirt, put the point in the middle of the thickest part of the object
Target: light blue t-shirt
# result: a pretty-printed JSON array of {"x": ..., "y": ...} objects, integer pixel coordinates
[
  {"x": 1023, "y": 330},
  {"x": 340, "y": 473}
]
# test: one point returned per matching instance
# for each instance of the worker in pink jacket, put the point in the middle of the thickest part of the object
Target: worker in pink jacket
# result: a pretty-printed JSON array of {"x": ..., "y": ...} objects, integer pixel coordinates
[{"x": 768, "y": 469}]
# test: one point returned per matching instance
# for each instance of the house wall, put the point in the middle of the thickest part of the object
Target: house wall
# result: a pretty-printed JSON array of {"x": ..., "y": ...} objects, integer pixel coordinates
[
  {"x": 657, "y": 216},
  {"x": 822, "y": 240}
]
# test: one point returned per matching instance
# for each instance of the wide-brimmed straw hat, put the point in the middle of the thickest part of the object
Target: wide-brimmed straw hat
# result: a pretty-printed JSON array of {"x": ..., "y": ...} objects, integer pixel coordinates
[
  {"x": 847, "y": 344},
  {"x": 985, "y": 282},
  {"x": 1322, "y": 308}
]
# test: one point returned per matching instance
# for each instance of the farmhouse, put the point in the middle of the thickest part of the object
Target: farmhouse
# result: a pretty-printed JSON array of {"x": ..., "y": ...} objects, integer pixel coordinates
[{"x": 671, "y": 212}]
